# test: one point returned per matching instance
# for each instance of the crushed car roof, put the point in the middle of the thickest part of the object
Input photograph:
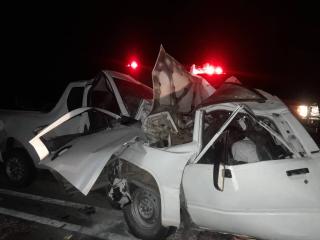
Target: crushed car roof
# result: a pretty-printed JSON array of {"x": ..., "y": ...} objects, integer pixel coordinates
[{"x": 233, "y": 92}]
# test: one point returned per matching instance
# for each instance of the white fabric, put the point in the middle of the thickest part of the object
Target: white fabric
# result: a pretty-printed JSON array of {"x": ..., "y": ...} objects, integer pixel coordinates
[{"x": 245, "y": 150}]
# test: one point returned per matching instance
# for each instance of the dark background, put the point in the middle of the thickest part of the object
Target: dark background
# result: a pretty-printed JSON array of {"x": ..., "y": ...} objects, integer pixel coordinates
[{"x": 266, "y": 44}]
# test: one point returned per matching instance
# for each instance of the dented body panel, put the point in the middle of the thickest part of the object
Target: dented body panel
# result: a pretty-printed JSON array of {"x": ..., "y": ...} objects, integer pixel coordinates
[
  {"x": 21, "y": 126},
  {"x": 255, "y": 200},
  {"x": 88, "y": 155},
  {"x": 259, "y": 200},
  {"x": 81, "y": 160},
  {"x": 166, "y": 167},
  {"x": 82, "y": 169}
]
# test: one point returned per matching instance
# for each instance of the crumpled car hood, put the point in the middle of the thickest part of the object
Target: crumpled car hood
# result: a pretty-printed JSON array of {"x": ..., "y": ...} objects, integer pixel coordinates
[{"x": 84, "y": 162}]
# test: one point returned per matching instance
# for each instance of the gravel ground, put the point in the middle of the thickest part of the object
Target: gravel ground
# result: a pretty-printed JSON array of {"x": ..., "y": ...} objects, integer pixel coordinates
[
  {"x": 17, "y": 229},
  {"x": 14, "y": 229},
  {"x": 196, "y": 235}
]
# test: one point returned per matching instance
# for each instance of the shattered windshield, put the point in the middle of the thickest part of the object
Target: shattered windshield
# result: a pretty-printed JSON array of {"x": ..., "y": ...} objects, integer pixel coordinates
[{"x": 231, "y": 92}]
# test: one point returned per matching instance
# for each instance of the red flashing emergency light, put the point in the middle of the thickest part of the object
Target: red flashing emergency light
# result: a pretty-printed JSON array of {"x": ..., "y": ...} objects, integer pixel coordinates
[
  {"x": 207, "y": 68},
  {"x": 133, "y": 65}
]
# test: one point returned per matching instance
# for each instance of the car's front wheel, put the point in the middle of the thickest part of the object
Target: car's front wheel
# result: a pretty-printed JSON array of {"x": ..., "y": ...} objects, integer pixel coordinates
[
  {"x": 18, "y": 168},
  {"x": 143, "y": 215}
]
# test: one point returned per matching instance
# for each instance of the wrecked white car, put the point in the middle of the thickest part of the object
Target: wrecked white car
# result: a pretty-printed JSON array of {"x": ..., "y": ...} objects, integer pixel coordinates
[
  {"x": 108, "y": 90},
  {"x": 234, "y": 160}
]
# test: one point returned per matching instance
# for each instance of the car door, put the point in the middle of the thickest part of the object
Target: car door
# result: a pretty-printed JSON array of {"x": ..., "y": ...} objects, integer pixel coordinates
[
  {"x": 269, "y": 199},
  {"x": 81, "y": 155},
  {"x": 74, "y": 100}
]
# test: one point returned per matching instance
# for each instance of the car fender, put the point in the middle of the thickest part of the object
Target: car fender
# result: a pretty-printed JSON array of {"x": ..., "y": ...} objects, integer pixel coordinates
[{"x": 166, "y": 167}]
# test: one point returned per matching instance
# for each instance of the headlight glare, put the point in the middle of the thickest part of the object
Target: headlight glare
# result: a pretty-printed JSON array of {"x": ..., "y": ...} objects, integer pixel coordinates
[
  {"x": 314, "y": 111},
  {"x": 302, "y": 110}
]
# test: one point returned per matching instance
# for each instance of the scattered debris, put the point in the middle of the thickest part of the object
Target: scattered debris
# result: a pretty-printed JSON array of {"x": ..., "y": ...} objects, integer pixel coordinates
[
  {"x": 68, "y": 237},
  {"x": 118, "y": 192}
]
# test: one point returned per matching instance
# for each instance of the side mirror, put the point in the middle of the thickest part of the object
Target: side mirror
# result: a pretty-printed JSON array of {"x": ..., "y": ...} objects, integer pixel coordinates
[
  {"x": 219, "y": 164},
  {"x": 218, "y": 176}
]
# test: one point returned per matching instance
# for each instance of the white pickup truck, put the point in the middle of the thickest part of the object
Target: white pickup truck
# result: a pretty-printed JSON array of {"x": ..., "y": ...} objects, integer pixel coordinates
[
  {"x": 232, "y": 160},
  {"x": 108, "y": 91}
]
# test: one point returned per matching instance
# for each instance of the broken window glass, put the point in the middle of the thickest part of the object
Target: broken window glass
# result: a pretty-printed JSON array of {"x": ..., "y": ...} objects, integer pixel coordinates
[
  {"x": 101, "y": 96},
  {"x": 212, "y": 123},
  {"x": 132, "y": 94},
  {"x": 247, "y": 141},
  {"x": 215, "y": 152}
]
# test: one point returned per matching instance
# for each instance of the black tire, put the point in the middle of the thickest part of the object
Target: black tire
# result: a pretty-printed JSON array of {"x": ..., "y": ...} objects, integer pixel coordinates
[
  {"x": 18, "y": 168},
  {"x": 143, "y": 215}
]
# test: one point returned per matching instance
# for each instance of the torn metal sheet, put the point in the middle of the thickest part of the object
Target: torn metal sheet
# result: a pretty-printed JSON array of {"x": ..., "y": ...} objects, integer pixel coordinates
[
  {"x": 81, "y": 159},
  {"x": 175, "y": 89},
  {"x": 82, "y": 164},
  {"x": 176, "y": 94}
]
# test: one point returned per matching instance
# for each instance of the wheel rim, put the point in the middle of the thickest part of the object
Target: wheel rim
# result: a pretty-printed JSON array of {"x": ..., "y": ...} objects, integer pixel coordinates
[
  {"x": 145, "y": 208},
  {"x": 15, "y": 169}
]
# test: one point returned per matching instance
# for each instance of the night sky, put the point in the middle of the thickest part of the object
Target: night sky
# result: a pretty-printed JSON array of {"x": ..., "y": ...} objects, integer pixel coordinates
[{"x": 271, "y": 45}]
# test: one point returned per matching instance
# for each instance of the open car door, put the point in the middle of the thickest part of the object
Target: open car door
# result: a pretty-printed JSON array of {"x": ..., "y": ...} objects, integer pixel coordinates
[
  {"x": 276, "y": 197},
  {"x": 81, "y": 155}
]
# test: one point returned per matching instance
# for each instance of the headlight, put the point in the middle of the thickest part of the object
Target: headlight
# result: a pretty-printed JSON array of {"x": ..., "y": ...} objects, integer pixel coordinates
[
  {"x": 308, "y": 111},
  {"x": 314, "y": 111},
  {"x": 303, "y": 110}
]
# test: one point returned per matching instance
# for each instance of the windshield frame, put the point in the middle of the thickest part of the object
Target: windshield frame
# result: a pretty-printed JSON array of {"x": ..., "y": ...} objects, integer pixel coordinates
[{"x": 212, "y": 99}]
